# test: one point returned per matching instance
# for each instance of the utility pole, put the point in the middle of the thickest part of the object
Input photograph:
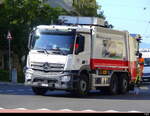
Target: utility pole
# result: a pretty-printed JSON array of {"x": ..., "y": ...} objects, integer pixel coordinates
[{"x": 9, "y": 37}]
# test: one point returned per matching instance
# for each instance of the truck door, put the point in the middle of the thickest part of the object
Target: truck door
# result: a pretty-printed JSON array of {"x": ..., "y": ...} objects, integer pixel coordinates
[{"x": 82, "y": 51}]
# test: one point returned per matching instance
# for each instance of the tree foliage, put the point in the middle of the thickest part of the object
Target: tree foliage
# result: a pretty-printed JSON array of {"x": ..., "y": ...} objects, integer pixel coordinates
[
  {"x": 87, "y": 8},
  {"x": 20, "y": 16}
]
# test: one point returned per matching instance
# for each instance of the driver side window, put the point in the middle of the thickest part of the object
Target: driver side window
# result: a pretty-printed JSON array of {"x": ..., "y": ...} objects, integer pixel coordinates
[{"x": 79, "y": 46}]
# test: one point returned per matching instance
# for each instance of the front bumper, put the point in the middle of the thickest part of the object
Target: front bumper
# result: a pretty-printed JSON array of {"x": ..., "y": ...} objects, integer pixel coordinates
[
  {"x": 60, "y": 81},
  {"x": 146, "y": 77}
]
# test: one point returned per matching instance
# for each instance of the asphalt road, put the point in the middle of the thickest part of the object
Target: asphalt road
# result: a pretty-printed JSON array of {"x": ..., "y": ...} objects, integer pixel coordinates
[{"x": 14, "y": 96}]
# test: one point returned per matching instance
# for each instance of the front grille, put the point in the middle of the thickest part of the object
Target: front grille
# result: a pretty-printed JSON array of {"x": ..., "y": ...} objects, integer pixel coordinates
[
  {"x": 47, "y": 74},
  {"x": 47, "y": 66}
]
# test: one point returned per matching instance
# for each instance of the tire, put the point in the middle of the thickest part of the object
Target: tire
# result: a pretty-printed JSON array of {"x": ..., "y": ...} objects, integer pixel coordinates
[
  {"x": 39, "y": 91},
  {"x": 123, "y": 84},
  {"x": 82, "y": 86},
  {"x": 113, "y": 89}
]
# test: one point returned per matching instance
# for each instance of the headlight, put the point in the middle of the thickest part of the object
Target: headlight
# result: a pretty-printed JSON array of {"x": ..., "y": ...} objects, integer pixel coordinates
[
  {"x": 28, "y": 62},
  {"x": 28, "y": 76},
  {"x": 65, "y": 78}
]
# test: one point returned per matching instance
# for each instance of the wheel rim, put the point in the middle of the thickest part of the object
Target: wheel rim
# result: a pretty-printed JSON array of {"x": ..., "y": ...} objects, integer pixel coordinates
[
  {"x": 83, "y": 85},
  {"x": 125, "y": 83},
  {"x": 114, "y": 86}
]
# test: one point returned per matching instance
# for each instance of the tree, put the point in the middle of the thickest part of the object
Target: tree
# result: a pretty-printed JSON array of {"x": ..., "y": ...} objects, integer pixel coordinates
[
  {"x": 89, "y": 8},
  {"x": 20, "y": 16},
  {"x": 86, "y": 7}
]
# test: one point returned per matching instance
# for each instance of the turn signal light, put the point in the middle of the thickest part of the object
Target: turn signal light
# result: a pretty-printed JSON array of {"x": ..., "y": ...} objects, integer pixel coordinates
[{"x": 104, "y": 72}]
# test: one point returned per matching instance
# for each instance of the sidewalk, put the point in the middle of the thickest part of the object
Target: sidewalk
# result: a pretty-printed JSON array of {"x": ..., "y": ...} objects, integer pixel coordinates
[{"x": 10, "y": 83}]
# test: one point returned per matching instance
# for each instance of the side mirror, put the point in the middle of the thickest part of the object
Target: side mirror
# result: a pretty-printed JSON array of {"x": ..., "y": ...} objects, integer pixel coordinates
[{"x": 29, "y": 41}]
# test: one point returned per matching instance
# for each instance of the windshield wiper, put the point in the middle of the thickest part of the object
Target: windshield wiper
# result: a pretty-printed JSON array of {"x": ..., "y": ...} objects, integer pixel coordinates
[
  {"x": 43, "y": 51},
  {"x": 53, "y": 51},
  {"x": 58, "y": 51},
  {"x": 46, "y": 51}
]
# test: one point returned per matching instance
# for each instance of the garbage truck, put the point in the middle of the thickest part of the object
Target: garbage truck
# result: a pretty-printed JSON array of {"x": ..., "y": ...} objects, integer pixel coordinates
[{"x": 80, "y": 54}]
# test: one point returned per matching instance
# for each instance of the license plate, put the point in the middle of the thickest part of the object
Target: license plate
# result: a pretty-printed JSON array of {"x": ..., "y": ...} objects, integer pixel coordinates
[{"x": 44, "y": 85}]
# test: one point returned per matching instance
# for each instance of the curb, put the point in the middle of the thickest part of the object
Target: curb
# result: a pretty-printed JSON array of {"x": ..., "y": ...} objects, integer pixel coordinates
[{"x": 10, "y": 83}]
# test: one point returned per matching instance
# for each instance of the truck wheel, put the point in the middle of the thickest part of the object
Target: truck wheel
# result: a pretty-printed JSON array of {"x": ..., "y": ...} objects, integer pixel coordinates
[
  {"x": 113, "y": 85},
  {"x": 82, "y": 86},
  {"x": 123, "y": 84},
  {"x": 39, "y": 91}
]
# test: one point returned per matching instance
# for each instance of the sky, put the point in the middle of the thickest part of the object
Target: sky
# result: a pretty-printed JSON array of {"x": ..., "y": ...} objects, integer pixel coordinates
[{"x": 130, "y": 15}]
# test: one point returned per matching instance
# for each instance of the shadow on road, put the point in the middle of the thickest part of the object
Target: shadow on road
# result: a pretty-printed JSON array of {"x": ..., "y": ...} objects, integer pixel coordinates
[
  {"x": 144, "y": 94},
  {"x": 27, "y": 91},
  {"x": 100, "y": 95}
]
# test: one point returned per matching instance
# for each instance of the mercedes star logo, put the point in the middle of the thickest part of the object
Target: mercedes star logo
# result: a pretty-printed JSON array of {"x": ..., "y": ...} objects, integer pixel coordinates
[{"x": 46, "y": 67}]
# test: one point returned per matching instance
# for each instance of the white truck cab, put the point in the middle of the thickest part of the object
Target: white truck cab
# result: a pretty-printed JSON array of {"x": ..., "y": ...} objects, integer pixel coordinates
[{"x": 57, "y": 53}]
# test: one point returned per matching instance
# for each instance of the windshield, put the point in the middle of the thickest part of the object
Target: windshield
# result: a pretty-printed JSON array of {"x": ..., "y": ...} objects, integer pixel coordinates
[
  {"x": 60, "y": 43},
  {"x": 147, "y": 62}
]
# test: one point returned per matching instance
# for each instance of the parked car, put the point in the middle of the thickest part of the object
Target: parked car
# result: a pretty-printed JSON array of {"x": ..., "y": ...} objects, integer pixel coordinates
[{"x": 146, "y": 72}]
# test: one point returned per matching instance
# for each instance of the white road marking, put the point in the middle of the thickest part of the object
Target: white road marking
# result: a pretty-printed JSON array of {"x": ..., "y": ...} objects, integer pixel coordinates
[
  {"x": 134, "y": 111},
  {"x": 111, "y": 111},
  {"x": 89, "y": 111},
  {"x": 21, "y": 109},
  {"x": 68, "y": 110},
  {"x": 44, "y": 109}
]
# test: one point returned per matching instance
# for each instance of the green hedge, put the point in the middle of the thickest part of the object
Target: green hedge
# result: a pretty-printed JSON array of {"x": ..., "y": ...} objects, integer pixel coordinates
[
  {"x": 21, "y": 77},
  {"x": 4, "y": 76}
]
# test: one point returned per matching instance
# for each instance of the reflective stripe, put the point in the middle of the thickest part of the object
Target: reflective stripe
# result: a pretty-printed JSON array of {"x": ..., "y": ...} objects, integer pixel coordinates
[{"x": 112, "y": 66}]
